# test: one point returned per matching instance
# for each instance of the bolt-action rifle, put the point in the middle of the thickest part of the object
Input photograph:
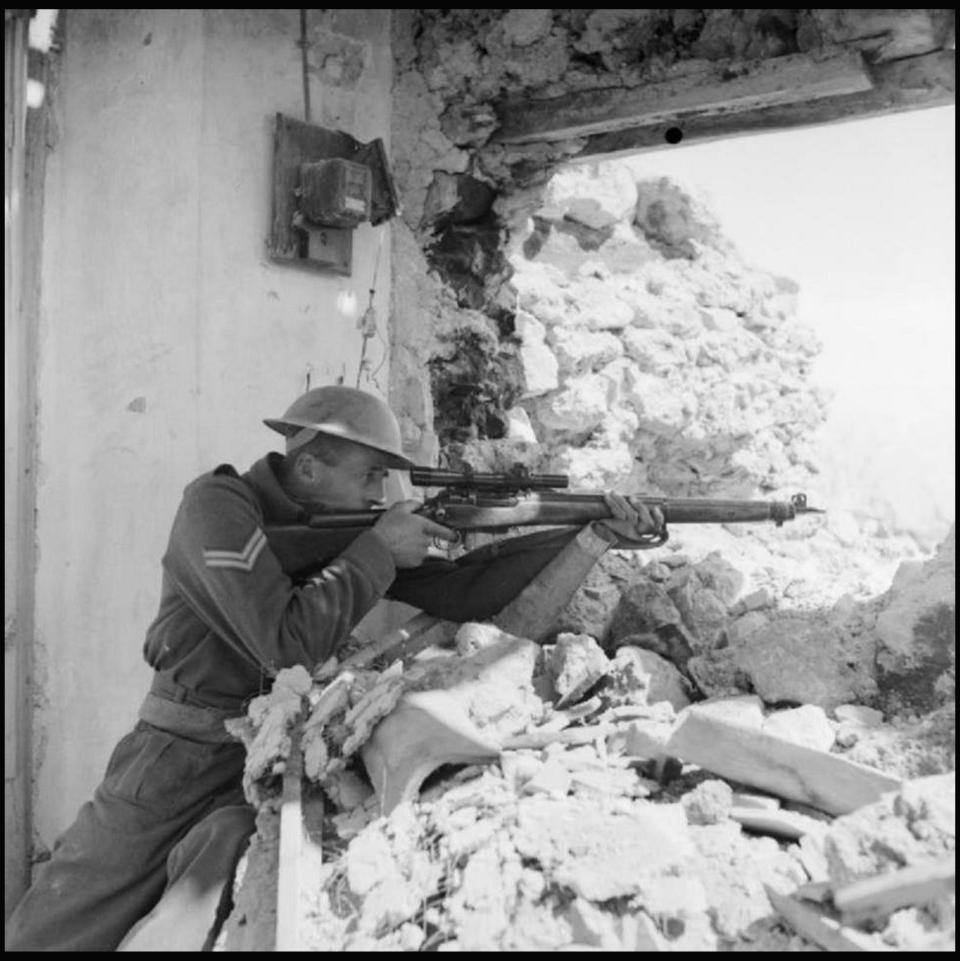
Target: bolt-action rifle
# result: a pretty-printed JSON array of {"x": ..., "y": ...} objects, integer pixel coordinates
[{"x": 473, "y": 501}]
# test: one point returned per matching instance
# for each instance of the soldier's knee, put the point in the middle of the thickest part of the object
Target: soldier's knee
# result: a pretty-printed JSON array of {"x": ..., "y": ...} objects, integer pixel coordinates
[{"x": 214, "y": 844}]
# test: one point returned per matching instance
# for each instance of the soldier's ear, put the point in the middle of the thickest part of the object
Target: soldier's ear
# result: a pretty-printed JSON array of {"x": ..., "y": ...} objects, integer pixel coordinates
[{"x": 306, "y": 467}]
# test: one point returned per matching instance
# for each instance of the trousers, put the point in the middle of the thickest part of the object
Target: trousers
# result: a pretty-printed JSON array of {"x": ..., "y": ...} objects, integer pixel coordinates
[{"x": 157, "y": 844}]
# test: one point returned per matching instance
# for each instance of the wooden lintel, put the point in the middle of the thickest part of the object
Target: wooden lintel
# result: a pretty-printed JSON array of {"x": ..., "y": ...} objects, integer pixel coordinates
[
  {"x": 715, "y": 88},
  {"x": 912, "y": 84}
]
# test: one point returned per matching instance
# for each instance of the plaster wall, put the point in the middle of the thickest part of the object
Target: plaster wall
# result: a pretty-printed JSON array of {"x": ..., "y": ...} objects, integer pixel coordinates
[{"x": 166, "y": 334}]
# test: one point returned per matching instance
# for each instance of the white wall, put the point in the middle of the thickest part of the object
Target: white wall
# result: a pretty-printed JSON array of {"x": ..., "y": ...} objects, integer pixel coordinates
[{"x": 166, "y": 335}]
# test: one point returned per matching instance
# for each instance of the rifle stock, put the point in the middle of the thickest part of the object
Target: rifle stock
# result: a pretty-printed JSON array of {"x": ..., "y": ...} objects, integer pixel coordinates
[{"x": 309, "y": 546}]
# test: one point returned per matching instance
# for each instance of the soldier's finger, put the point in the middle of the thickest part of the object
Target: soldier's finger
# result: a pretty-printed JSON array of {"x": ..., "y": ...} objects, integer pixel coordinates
[{"x": 434, "y": 530}]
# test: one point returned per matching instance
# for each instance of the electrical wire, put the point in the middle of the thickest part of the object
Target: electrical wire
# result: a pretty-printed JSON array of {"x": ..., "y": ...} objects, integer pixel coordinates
[
  {"x": 304, "y": 45},
  {"x": 369, "y": 327}
]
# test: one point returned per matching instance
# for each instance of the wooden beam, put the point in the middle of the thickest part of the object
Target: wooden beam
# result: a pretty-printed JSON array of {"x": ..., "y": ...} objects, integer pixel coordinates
[
  {"x": 912, "y": 84},
  {"x": 814, "y": 925},
  {"x": 825, "y": 781},
  {"x": 880, "y": 896},
  {"x": 300, "y": 854},
  {"x": 715, "y": 88}
]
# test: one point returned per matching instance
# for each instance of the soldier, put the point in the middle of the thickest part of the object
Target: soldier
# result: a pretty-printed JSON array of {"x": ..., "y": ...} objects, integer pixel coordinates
[{"x": 148, "y": 862}]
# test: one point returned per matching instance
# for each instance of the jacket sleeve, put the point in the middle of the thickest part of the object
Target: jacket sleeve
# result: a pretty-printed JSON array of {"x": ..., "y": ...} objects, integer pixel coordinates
[
  {"x": 219, "y": 558},
  {"x": 479, "y": 584}
]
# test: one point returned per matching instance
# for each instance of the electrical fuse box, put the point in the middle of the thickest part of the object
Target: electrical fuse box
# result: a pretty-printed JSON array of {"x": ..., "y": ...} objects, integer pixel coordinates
[{"x": 335, "y": 192}]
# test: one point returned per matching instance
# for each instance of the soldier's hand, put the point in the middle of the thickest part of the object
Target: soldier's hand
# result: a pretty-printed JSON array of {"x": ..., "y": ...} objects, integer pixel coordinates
[
  {"x": 407, "y": 535},
  {"x": 633, "y": 524}
]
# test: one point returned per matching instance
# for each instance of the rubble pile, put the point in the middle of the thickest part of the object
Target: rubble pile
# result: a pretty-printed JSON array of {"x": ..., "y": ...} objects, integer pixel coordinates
[{"x": 591, "y": 829}]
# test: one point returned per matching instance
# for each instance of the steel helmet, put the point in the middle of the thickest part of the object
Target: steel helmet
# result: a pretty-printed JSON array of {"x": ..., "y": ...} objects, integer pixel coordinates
[{"x": 343, "y": 412}]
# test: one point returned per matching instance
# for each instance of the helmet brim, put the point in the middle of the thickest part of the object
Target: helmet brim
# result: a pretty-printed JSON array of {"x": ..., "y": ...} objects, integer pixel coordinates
[{"x": 391, "y": 459}]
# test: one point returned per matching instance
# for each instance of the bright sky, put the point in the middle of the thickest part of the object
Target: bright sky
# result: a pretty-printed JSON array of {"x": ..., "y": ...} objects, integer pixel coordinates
[{"x": 861, "y": 215}]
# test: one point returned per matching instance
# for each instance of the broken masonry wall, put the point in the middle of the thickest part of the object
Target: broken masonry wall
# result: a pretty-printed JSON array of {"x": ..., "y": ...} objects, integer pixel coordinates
[
  {"x": 627, "y": 344},
  {"x": 455, "y": 69},
  {"x": 680, "y": 369}
]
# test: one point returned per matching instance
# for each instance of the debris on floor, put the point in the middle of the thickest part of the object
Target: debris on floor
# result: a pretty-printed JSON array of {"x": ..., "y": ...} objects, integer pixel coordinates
[{"x": 600, "y": 821}]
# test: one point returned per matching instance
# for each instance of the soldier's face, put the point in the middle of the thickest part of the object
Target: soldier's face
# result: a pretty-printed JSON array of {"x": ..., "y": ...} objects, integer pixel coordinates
[{"x": 355, "y": 482}]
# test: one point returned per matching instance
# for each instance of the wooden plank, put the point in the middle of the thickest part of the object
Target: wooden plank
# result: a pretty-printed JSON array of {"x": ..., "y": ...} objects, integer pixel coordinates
[
  {"x": 917, "y": 83},
  {"x": 822, "y": 780},
  {"x": 300, "y": 853},
  {"x": 779, "y": 823},
  {"x": 880, "y": 896},
  {"x": 818, "y": 927},
  {"x": 572, "y": 736},
  {"x": 715, "y": 88},
  {"x": 291, "y": 835}
]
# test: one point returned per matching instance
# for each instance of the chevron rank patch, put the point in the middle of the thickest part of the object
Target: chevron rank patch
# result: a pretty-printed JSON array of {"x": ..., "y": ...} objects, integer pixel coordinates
[{"x": 242, "y": 560}]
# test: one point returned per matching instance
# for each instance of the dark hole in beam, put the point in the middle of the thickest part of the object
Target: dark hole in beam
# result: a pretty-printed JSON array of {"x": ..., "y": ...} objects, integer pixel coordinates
[{"x": 673, "y": 135}]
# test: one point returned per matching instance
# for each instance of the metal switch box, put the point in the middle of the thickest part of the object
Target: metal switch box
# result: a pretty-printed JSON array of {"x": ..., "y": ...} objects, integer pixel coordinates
[{"x": 335, "y": 192}]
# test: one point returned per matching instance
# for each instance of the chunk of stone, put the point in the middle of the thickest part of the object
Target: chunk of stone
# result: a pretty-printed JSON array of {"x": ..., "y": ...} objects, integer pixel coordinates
[
  {"x": 859, "y": 715},
  {"x": 754, "y": 601},
  {"x": 643, "y": 677},
  {"x": 743, "y": 709},
  {"x": 601, "y": 854},
  {"x": 575, "y": 664},
  {"x": 804, "y": 660},
  {"x": 494, "y": 684},
  {"x": 807, "y": 724},
  {"x": 708, "y": 803},
  {"x": 550, "y": 778}
]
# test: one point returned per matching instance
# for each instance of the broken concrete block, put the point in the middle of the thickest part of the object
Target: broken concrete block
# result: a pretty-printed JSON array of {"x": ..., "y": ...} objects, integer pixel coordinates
[
  {"x": 639, "y": 676},
  {"x": 550, "y": 778},
  {"x": 601, "y": 855},
  {"x": 822, "y": 780},
  {"x": 347, "y": 790},
  {"x": 475, "y": 636},
  {"x": 590, "y": 610},
  {"x": 754, "y": 601},
  {"x": 720, "y": 575},
  {"x": 807, "y": 724},
  {"x": 858, "y": 715},
  {"x": 519, "y": 426},
  {"x": 743, "y": 709},
  {"x": 704, "y": 612},
  {"x": 708, "y": 803},
  {"x": 575, "y": 664},
  {"x": 644, "y": 607},
  {"x": 745, "y": 624},
  {"x": 913, "y": 825},
  {"x": 806, "y": 660},
  {"x": 366, "y": 860},
  {"x": 916, "y": 632},
  {"x": 494, "y": 685},
  {"x": 518, "y": 767},
  {"x": 717, "y": 674},
  {"x": 930, "y": 802},
  {"x": 426, "y": 730},
  {"x": 608, "y": 783}
]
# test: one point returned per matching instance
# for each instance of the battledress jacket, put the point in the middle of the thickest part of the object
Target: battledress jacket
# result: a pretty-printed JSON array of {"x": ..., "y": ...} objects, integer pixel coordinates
[{"x": 230, "y": 618}]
